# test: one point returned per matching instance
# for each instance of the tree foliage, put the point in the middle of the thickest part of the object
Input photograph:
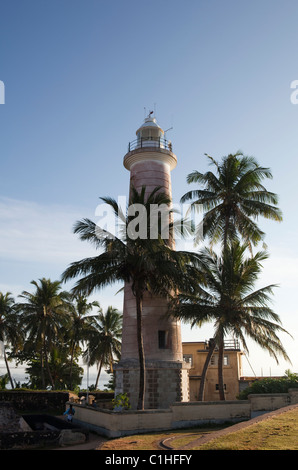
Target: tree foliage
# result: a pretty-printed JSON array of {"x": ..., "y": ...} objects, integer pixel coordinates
[{"x": 271, "y": 385}]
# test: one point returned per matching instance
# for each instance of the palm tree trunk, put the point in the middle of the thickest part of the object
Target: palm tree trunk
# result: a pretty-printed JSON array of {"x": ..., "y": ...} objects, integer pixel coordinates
[
  {"x": 43, "y": 382},
  {"x": 227, "y": 218},
  {"x": 48, "y": 367},
  {"x": 7, "y": 367},
  {"x": 141, "y": 399},
  {"x": 98, "y": 374},
  {"x": 71, "y": 365},
  {"x": 212, "y": 345},
  {"x": 220, "y": 371}
]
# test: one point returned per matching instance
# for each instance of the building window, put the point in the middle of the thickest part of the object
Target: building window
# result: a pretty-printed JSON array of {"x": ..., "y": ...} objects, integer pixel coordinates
[
  {"x": 217, "y": 387},
  {"x": 188, "y": 359},
  {"x": 214, "y": 360},
  {"x": 162, "y": 339}
]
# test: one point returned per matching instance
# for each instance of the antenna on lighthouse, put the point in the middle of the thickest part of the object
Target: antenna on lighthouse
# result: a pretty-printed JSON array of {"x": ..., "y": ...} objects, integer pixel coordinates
[{"x": 170, "y": 128}]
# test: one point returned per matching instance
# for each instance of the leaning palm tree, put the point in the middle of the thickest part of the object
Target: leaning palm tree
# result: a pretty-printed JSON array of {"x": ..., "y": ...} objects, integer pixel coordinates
[
  {"x": 146, "y": 264},
  {"x": 233, "y": 198},
  {"x": 10, "y": 331},
  {"x": 104, "y": 345},
  {"x": 81, "y": 325},
  {"x": 231, "y": 303},
  {"x": 42, "y": 314}
]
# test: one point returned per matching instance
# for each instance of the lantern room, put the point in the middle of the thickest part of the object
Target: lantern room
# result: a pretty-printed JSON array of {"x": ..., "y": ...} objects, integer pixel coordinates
[{"x": 150, "y": 134}]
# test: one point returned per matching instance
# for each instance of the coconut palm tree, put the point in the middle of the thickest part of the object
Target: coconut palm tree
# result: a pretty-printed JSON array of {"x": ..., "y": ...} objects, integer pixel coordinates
[
  {"x": 81, "y": 325},
  {"x": 104, "y": 343},
  {"x": 230, "y": 301},
  {"x": 233, "y": 198},
  {"x": 9, "y": 328},
  {"x": 144, "y": 263},
  {"x": 42, "y": 314}
]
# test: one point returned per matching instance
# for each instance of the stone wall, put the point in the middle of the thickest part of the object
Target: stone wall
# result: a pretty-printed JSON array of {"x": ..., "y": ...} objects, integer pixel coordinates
[
  {"x": 30, "y": 439},
  {"x": 10, "y": 421},
  {"x": 180, "y": 415},
  {"x": 41, "y": 401},
  {"x": 31, "y": 431},
  {"x": 165, "y": 383}
]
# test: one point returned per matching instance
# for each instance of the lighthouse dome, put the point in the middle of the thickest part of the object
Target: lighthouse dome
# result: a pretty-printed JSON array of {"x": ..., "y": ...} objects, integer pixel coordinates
[
  {"x": 149, "y": 123},
  {"x": 150, "y": 134}
]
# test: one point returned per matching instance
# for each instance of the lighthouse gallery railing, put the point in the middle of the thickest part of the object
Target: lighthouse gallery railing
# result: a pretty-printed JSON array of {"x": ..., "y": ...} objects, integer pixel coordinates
[{"x": 150, "y": 142}]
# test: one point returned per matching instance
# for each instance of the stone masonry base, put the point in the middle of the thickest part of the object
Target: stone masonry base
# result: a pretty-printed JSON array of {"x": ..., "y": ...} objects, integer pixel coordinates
[{"x": 165, "y": 383}]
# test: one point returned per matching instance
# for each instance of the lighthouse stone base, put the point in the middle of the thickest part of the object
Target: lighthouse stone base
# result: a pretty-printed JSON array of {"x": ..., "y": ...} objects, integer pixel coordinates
[{"x": 166, "y": 382}]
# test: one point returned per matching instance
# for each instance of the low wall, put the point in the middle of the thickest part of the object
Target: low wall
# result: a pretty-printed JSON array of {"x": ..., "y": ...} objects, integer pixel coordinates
[
  {"x": 117, "y": 424},
  {"x": 41, "y": 401},
  {"x": 179, "y": 415},
  {"x": 215, "y": 412},
  {"x": 263, "y": 402}
]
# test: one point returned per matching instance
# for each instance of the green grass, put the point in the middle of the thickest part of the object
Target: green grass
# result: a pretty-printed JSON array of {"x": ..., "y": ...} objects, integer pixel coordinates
[
  {"x": 151, "y": 441},
  {"x": 276, "y": 433}
]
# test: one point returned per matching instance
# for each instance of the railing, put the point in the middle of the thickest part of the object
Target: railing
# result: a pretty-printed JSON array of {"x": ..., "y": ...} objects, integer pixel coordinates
[
  {"x": 228, "y": 344},
  {"x": 145, "y": 142},
  {"x": 231, "y": 344}
]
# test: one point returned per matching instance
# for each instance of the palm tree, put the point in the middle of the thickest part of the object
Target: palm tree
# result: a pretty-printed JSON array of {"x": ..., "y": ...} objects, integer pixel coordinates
[
  {"x": 143, "y": 263},
  {"x": 81, "y": 325},
  {"x": 105, "y": 340},
  {"x": 233, "y": 198},
  {"x": 231, "y": 303},
  {"x": 9, "y": 327},
  {"x": 42, "y": 316}
]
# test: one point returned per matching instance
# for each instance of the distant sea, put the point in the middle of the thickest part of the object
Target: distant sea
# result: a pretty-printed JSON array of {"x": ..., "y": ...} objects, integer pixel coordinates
[{"x": 19, "y": 375}]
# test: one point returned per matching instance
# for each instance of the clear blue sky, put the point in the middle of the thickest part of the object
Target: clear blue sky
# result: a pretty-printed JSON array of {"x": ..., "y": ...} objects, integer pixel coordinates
[{"x": 78, "y": 75}]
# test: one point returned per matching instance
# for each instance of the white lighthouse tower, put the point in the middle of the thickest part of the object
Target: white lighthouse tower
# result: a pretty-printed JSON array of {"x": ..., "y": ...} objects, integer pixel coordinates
[{"x": 150, "y": 161}]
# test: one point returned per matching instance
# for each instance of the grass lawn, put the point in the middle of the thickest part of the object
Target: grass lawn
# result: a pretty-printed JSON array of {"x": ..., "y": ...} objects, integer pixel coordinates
[
  {"x": 151, "y": 441},
  {"x": 277, "y": 433}
]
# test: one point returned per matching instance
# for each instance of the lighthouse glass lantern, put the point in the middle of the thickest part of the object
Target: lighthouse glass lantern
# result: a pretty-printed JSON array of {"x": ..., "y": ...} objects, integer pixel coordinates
[{"x": 150, "y": 134}]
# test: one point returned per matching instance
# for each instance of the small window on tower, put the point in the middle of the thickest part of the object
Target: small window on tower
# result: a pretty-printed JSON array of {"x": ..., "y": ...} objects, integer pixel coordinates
[
  {"x": 188, "y": 359},
  {"x": 217, "y": 387},
  {"x": 162, "y": 339}
]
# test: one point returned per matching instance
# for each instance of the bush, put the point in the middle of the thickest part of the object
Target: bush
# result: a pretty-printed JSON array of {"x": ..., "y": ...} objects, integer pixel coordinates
[
  {"x": 121, "y": 402},
  {"x": 271, "y": 385}
]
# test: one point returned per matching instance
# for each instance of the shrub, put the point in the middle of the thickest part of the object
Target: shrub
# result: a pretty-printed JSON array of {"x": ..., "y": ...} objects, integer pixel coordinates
[
  {"x": 121, "y": 402},
  {"x": 271, "y": 385}
]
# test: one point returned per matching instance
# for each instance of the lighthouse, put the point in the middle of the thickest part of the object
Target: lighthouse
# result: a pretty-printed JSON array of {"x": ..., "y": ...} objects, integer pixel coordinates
[{"x": 150, "y": 160}]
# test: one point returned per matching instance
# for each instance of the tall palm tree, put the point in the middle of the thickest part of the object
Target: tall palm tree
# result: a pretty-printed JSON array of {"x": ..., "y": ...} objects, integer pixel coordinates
[
  {"x": 42, "y": 316},
  {"x": 231, "y": 303},
  {"x": 9, "y": 327},
  {"x": 104, "y": 343},
  {"x": 81, "y": 325},
  {"x": 144, "y": 263},
  {"x": 233, "y": 198}
]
